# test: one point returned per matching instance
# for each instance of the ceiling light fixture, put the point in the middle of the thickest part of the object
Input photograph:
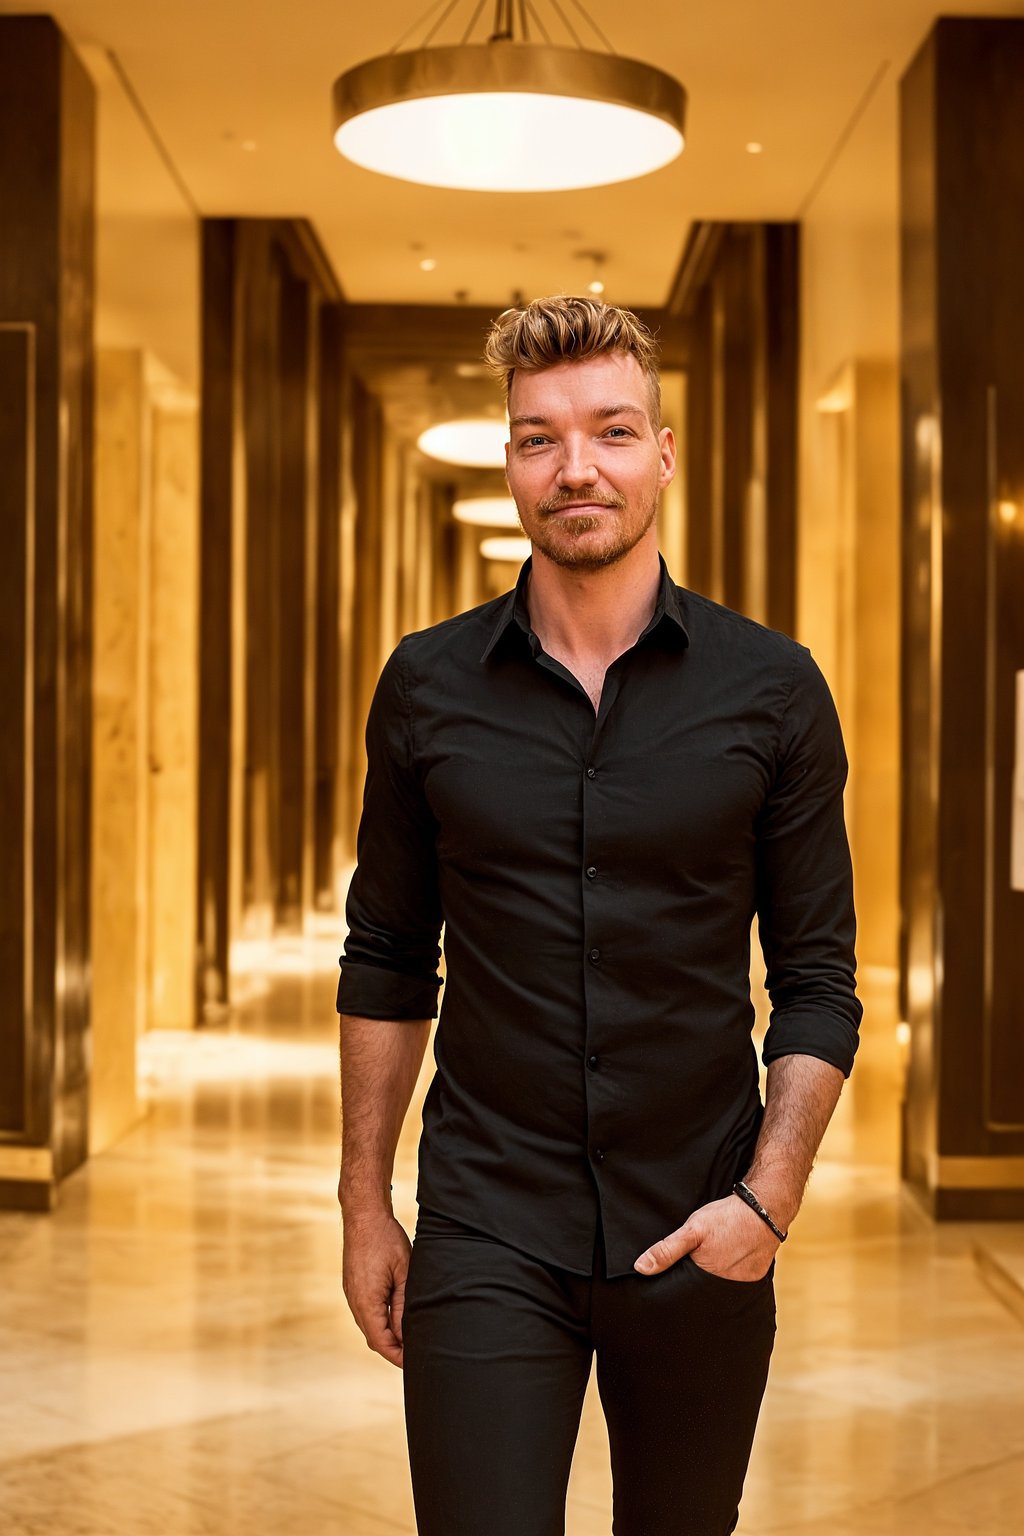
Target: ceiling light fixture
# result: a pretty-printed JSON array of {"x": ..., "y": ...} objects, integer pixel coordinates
[
  {"x": 473, "y": 443},
  {"x": 506, "y": 549},
  {"x": 597, "y": 260},
  {"x": 754, "y": 148},
  {"x": 509, "y": 114},
  {"x": 486, "y": 511}
]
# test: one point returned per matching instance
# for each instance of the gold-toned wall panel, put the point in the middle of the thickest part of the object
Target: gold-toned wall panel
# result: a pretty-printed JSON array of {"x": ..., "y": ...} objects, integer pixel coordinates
[{"x": 962, "y": 106}]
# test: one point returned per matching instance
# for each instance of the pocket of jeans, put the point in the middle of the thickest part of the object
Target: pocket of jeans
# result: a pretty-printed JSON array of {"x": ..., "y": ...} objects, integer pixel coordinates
[{"x": 708, "y": 1274}]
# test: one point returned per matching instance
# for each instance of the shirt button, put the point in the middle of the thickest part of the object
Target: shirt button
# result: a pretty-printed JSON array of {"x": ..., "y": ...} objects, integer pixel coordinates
[
  {"x": 595, "y": 955},
  {"x": 591, "y": 871},
  {"x": 598, "y": 1155},
  {"x": 591, "y": 773},
  {"x": 591, "y": 1062}
]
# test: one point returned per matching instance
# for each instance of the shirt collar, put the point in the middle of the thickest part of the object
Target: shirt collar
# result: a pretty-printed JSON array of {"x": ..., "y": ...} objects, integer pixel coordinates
[{"x": 513, "y": 609}]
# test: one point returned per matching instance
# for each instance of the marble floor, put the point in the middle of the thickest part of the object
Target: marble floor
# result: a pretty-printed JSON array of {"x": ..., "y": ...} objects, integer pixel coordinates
[{"x": 176, "y": 1356}]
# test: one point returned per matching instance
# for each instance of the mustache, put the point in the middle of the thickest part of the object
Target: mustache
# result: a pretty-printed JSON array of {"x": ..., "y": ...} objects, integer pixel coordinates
[{"x": 560, "y": 503}]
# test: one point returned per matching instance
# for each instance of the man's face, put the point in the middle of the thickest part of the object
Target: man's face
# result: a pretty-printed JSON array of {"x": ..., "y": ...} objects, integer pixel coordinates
[{"x": 584, "y": 463}]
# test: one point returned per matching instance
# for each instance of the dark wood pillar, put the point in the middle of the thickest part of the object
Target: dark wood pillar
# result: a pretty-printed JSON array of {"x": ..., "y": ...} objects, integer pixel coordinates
[
  {"x": 962, "y": 183},
  {"x": 737, "y": 292},
  {"x": 258, "y": 282},
  {"x": 47, "y": 139},
  {"x": 733, "y": 344},
  {"x": 697, "y": 448},
  {"x": 327, "y": 585},
  {"x": 271, "y": 511},
  {"x": 217, "y": 685},
  {"x": 296, "y": 478},
  {"x": 779, "y": 292},
  {"x": 368, "y": 477}
]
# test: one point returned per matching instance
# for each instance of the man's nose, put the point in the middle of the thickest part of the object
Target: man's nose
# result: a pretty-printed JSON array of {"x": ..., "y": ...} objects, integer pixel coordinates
[{"x": 577, "y": 465}]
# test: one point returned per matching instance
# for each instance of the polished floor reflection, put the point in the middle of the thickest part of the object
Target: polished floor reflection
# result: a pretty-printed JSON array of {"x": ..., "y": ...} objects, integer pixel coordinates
[{"x": 176, "y": 1356}]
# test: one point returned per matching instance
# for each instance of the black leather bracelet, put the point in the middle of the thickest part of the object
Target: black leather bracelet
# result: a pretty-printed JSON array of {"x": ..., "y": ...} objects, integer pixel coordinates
[{"x": 749, "y": 1198}]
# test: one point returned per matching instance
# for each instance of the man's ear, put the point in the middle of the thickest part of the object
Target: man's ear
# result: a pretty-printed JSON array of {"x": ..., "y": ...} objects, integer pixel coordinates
[{"x": 667, "y": 450}]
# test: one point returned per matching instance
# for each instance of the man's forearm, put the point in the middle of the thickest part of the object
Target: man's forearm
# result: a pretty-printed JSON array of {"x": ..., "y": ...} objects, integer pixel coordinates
[
  {"x": 380, "y": 1062},
  {"x": 802, "y": 1093}
]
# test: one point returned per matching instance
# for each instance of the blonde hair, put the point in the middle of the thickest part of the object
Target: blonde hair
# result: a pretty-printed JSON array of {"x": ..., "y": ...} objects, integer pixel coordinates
[{"x": 568, "y": 328}]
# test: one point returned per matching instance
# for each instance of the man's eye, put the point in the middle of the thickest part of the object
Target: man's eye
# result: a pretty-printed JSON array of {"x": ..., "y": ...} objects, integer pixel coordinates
[
  {"x": 624, "y": 430},
  {"x": 533, "y": 442}
]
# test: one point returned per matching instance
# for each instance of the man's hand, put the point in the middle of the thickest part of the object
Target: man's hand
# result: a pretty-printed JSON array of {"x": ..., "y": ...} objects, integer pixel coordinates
[
  {"x": 374, "y": 1269},
  {"x": 726, "y": 1238}
]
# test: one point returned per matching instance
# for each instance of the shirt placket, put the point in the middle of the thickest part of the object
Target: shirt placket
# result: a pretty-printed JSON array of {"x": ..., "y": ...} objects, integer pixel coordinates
[{"x": 599, "y": 936}]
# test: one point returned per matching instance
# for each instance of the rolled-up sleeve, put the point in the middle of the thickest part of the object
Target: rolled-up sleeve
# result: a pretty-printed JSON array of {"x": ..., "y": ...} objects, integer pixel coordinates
[
  {"x": 390, "y": 960},
  {"x": 805, "y": 906}
]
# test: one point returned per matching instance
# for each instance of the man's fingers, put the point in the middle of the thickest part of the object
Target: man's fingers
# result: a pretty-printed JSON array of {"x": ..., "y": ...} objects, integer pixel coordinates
[
  {"x": 387, "y": 1346},
  {"x": 381, "y": 1337},
  {"x": 397, "y": 1309},
  {"x": 667, "y": 1251}
]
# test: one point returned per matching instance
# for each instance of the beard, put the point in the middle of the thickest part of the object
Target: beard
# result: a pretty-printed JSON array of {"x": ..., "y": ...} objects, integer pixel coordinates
[{"x": 561, "y": 540}]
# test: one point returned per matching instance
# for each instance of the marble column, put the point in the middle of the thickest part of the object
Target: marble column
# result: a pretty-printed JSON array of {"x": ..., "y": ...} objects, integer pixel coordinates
[
  {"x": 173, "y": 715},
  {"x": 120, "y": 737}
]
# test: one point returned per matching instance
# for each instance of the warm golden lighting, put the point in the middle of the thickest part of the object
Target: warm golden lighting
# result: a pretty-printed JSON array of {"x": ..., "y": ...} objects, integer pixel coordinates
[
  {"x": 1008, "y": 513},
  {"x": 835, "y": 400},
  {"x": 473, "y": 444},
  {"x": 507, "y": 116},
  {"x": 754, "y": 148},
  {"x": 505, "y": 549},
  {"x": 486, "y": 511}
]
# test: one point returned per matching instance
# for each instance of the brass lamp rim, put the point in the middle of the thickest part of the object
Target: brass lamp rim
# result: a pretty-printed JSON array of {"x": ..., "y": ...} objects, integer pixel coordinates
[{"x": 504, "y": 68}]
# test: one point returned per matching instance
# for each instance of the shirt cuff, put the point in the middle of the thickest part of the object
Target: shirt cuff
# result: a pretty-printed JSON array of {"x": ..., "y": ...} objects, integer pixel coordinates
[
  {"x": 812, "y": 1034},
  {"x": 371, "y": 992}
]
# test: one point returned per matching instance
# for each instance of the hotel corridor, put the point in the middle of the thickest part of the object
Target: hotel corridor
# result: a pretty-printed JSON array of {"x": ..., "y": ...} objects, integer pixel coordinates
[{"x": 177, "y": 1357}]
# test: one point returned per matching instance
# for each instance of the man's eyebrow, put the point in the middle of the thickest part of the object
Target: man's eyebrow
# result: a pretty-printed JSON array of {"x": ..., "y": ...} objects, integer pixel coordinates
[
  {"x": 618, "y": 410},
  {"x": 600, "y": 413}
]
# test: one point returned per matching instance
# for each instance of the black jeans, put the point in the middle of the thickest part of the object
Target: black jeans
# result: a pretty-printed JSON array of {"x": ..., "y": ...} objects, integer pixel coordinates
[{"x": 498, "y": 1349}]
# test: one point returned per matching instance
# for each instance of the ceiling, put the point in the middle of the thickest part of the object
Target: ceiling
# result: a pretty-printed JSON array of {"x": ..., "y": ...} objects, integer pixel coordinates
[{"x": 236, "y": 94}]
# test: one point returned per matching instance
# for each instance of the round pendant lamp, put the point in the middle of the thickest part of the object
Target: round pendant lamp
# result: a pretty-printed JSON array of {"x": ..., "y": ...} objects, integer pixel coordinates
[
  {"x": 508, "y": 115},
  {"x": 486, "y": 511},
  {"x": 499, "y": 548},
  {"x": 472, "y": 443}
]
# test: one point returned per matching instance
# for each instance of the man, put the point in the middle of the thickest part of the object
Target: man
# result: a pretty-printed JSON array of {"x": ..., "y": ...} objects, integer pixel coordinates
[{"x": 595, "y": 781}]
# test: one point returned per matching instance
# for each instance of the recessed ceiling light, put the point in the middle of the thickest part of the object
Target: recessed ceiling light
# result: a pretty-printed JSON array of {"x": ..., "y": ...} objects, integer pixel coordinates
[
  {"x": 596, "y": 286},
  {"x": 754, "y": 148},
  {"x": 486, "y": 511},
  {"x": 505, "y": 549},
  {"x": 474, "y": 443},
  {"x": 249, "y": 145},
  {"x": 428, "y": 264}
]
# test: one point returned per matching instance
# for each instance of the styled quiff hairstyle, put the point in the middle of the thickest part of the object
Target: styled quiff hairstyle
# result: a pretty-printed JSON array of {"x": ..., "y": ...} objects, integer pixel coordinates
[{"x": 566, "y": 328}]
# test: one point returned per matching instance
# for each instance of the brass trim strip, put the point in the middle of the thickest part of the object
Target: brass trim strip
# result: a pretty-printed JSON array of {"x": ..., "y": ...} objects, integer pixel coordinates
[
  {"x": 977, "y": 1173},
  {"x": 29, "y": 1164}
]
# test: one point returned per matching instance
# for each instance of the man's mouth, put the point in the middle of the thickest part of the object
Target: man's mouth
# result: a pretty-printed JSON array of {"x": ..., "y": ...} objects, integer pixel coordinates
[{"x": 581, "y": 506}]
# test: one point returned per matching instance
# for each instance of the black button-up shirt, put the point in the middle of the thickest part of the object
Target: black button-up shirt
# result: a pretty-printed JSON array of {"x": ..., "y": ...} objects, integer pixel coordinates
[{"x": 597, "y": 876}]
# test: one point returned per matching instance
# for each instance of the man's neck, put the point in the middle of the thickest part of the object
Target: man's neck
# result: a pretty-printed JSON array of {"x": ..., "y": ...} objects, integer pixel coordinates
[{"x": 593, "y": 616}]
